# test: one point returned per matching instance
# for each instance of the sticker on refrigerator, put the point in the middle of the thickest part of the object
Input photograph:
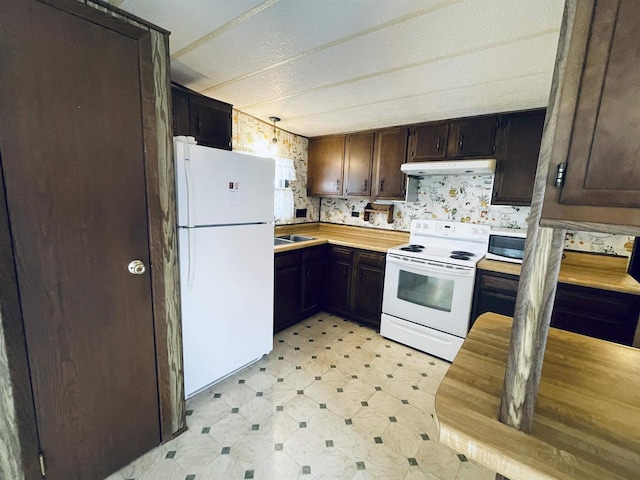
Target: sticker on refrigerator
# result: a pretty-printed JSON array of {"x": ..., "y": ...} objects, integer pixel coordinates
[{"x": 235, "y": 198}]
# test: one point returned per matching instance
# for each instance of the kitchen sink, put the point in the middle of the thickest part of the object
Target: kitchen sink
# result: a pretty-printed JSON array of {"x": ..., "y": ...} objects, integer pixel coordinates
[
  {"x": 281, "y": 241},
  {"x": 294, "y": 238}
]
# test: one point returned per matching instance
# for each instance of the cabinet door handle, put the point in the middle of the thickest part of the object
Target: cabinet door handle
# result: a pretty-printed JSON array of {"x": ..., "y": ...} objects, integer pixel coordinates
[
  {"x": 337, "y": 185},
  {"x": 365, "y": 183},
  {"x": 461, "y": 142},
  {"x": 382, "y": 185},
  {"x": 438, "y": 145},
  {"x": 199, "y": 122}
]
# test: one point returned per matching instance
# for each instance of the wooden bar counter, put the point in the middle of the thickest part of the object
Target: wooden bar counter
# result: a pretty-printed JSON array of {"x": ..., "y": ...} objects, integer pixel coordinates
[{"x": 587, "y": 418}]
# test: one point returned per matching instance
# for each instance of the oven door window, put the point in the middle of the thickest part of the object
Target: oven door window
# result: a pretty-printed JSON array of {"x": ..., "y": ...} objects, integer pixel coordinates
[{"x": 426, "y": 290}]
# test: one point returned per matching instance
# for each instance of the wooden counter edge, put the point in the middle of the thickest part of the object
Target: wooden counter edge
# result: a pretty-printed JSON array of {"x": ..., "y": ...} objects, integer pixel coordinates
[
  {"x": 583, "y": 274},
  {"x": 342, "y": 235}
]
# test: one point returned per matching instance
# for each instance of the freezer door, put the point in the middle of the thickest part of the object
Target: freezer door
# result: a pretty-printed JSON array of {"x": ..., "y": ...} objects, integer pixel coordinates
[
  {"x": 226, "y": 276},
  {"x": 218, "y": 187}
]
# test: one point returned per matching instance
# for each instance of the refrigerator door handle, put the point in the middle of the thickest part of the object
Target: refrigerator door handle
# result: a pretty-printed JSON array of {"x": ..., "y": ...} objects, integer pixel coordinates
[
  {"x": 191, "y": 234},
  {"x": 191, "y": 204}
]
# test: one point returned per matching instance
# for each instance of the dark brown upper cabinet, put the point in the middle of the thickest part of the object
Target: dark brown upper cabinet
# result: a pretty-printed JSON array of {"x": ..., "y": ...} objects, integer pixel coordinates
[
  {"x": 517, "y": 147},
  {"x": 368, "y": 162},
  {"x": 204, "y": 118},
  {"x": 389, "y": 152},
  {"x": 472, "y": 137},
  {"x": 603, "y": 163},
  {"x": 358, "y": 161},
  {"x": 326, "y": 166},
  {"x": 428, "y": 142},
  {"x": 596, "y": 137},
  {"x": 180, "y": 111}
]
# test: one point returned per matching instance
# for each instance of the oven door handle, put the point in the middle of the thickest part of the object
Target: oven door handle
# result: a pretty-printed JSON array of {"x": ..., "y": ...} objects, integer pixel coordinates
[{"x": 424, "y": 267}]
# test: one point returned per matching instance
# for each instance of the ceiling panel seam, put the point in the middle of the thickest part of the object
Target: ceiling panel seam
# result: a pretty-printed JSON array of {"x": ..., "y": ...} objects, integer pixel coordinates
[
  {"x": 348, "y": 38},
  {"x": 225, "y": 28},
  {"x": 417, "y": 95},
  {"x": 404, "y": 67}
]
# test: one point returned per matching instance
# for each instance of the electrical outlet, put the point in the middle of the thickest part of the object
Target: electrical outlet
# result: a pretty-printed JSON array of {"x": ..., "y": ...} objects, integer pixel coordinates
[
  {"x": 355, "y": 214},
  {"x": 301, "y": 213}
]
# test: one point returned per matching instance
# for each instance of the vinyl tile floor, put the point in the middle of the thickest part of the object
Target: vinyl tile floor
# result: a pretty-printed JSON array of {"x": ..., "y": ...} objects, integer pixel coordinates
[{"x": 333, "y": 400}]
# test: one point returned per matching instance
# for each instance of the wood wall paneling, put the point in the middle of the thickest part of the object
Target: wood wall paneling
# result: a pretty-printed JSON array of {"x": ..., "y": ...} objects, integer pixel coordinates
[{"x": 19, "y": 447}]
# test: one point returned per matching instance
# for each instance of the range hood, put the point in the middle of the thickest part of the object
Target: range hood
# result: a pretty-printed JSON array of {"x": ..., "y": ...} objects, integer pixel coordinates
[{"x": 449, "y": 167}]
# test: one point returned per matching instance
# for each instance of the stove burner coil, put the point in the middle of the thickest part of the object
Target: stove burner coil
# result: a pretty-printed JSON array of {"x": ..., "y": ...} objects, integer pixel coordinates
[
  {"x": 412, "y": 248},
  {"x": 463, "y": 253}
]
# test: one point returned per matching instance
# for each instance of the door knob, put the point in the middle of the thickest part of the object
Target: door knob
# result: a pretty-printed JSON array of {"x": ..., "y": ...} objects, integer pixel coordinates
[{"x": 136, "y": 267}]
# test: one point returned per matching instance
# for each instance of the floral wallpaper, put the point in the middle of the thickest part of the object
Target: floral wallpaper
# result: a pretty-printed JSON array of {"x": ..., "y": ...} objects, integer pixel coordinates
[
  {"x": 462, "y": 198},
  {"x": 254, "y": 136}
]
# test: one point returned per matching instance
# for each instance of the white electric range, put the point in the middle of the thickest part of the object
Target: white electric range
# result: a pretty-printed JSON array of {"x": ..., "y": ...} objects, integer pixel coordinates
[{"x": 428, "y": 286}]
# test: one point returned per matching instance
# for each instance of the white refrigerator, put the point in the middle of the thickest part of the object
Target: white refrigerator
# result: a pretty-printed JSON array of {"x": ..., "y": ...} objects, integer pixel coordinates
[{"x": 225, "y": 234}]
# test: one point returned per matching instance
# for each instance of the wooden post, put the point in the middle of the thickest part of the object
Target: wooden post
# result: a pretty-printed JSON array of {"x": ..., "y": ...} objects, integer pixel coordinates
[
  {"x": 534, "y": 306},
  {"x": 543, "y": 253}
]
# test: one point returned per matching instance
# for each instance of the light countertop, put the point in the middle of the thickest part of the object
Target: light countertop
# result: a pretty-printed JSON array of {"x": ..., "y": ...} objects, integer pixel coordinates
[
  {"x": 347, "y": 236},
  {"x": 587, "y": 412},
  {"x": 583, "y": 269}
]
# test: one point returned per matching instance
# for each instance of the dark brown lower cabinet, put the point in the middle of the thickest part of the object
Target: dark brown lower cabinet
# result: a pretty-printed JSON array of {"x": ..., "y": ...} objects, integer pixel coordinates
[
  {"x": 355, "y": 283},
  {"x": 368, "y": 283},
  {"x": 314, "y": 277},
  {"x": 299, "y": 285},
  {"x": 611, "y": 316},
  {"x": 345, "y": 281},
  {"x": 287, "y": 289},
  {"x": 339, "y": 280}
]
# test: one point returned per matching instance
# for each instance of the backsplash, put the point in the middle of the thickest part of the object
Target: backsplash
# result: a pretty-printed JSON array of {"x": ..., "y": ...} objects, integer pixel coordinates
[
  {"x": 463, "y": 198},
  {"x": 254, "y": 136}
]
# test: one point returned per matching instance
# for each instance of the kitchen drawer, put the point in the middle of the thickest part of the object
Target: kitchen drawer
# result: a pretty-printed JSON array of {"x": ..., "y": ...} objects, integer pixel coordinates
[
  {"x": 287, "y": 259},
  {"x": 340, "y": 253},
  {"x": 373, "y": 259},
  {"x": 313, "y": 254},
  {"x": 490, "y": 282},
  {"x": 615, "y": 306}
]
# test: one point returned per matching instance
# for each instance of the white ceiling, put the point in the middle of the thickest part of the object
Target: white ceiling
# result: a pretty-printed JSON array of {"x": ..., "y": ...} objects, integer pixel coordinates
[{"x": 329, "y": 66}]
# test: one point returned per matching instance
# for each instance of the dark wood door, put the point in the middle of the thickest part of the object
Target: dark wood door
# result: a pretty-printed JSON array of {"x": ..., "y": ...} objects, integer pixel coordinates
[
  {"x": 390, "y": 152},
  {"x": 494, "y": 292},
  {"x": 429, "y": 142},
  {"x": 368, "y": 286},
  {"x": 210, "y": 122},
  {"x": 339, "y": 279},
  {"x": 602, "y": 164},
  {"x": 287, "y": 289},
  {"x": 314, "y": 277},
  {"x": 472, "y": 137},
  {"x": 73, "y": 164},
  {"x": 358, "y": 161},
  {"x": 517, "y": 147},
  {"x": 326, "y": 162}
]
